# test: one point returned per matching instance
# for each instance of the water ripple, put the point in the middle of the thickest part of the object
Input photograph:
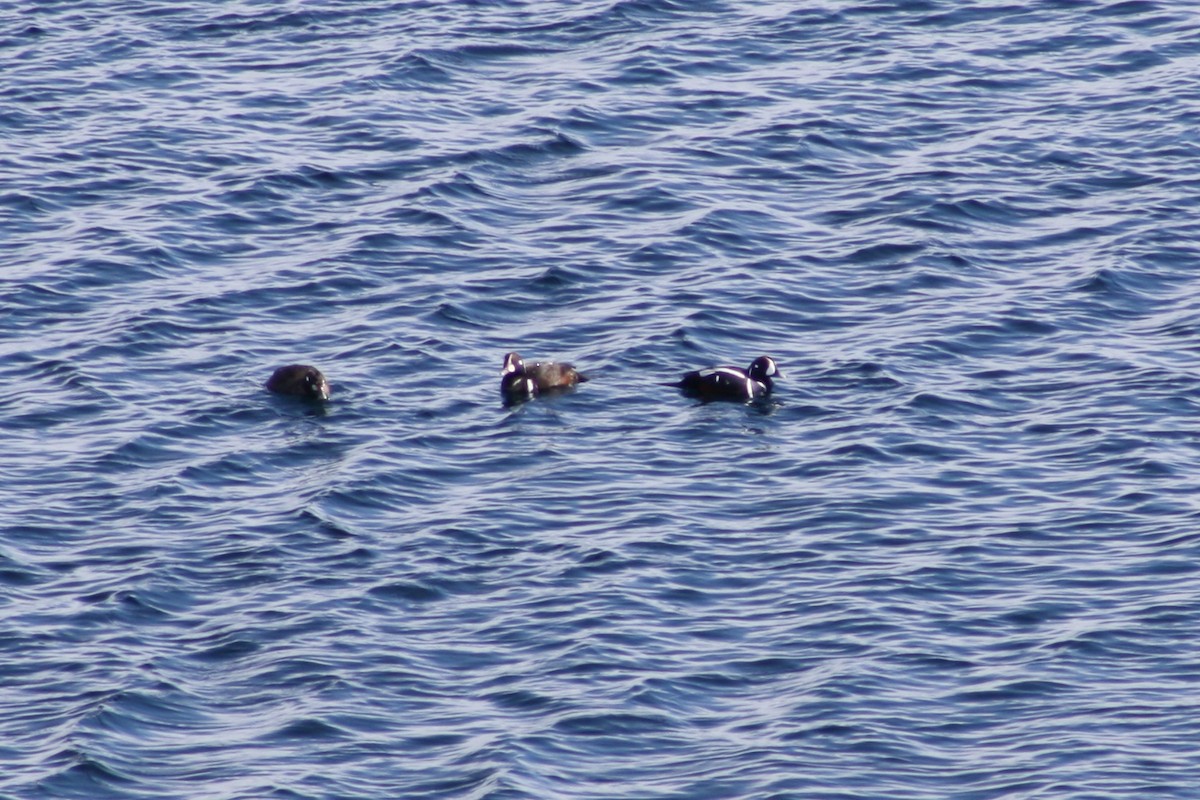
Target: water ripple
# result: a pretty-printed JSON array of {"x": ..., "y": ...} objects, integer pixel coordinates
[{"x": 951, "y": 557}]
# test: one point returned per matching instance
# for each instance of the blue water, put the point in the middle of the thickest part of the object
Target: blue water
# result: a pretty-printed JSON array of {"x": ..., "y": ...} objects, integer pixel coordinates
[{"x": 957, "y": 556}]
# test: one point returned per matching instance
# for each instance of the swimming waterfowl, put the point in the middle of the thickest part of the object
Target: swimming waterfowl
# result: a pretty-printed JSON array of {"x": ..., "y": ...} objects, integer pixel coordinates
[
  {"x": 521, "y": 380},
  {"x": 731, "y": 383},
  {"x": 299, "y": 380}
]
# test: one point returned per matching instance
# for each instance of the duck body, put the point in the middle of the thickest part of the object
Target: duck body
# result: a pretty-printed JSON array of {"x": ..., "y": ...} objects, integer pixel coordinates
[
  {"x": 299, "y": 380},
  {"x": 731, "y": 383},
  {"x": 521, "y": 380}
]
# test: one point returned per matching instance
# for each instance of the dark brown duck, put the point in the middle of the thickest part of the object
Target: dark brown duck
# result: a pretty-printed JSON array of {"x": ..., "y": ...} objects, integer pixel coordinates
[{"x": 299, "y": 380}]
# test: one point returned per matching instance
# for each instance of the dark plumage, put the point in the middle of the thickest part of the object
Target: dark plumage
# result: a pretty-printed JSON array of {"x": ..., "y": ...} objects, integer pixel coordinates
[
  {"x": 520, "y": 380},
  {"x": 731, "y": 383},
  {"x": 299, "y": 380}
]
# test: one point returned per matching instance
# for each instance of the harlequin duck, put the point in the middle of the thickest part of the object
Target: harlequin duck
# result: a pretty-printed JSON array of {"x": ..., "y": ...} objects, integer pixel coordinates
[
  {"x": 299, "y": 380},
  {"x": 731, "y": 383},
  {"x": 520, "y": 380}
]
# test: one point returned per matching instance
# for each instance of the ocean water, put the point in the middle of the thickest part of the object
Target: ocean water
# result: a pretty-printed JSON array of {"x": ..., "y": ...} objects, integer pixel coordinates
[{"x": 957, "y": 555}]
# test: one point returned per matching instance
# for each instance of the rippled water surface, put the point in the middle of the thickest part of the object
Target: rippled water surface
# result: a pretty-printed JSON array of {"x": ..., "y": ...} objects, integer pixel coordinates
[{"x": 955, "y": 556}]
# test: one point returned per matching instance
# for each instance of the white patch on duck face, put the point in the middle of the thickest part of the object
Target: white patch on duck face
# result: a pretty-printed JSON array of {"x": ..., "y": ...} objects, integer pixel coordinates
[
  {"x": 511, "y": 363},
  {"x": 763, "y": 366}
]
